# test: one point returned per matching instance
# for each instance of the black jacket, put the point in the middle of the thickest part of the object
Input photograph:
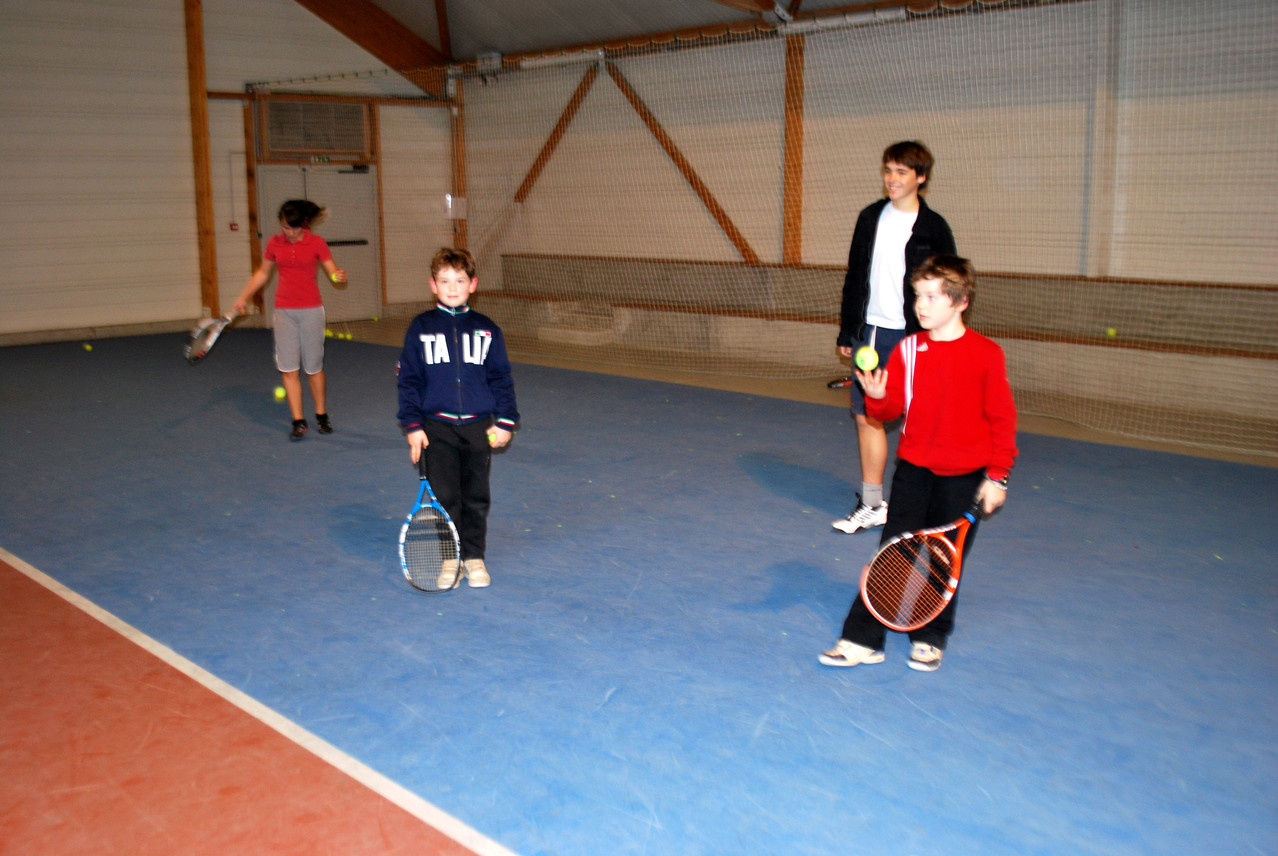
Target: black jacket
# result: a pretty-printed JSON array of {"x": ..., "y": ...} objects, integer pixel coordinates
[
  {"x": 454, "y": 369},
  {"x": 931, "y": 237}
]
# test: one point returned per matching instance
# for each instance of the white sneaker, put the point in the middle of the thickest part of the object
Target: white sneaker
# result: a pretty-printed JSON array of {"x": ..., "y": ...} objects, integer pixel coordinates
[
  {"x": 448, "y": 574},
  {"x": 925, "y": 657},
  {"x": 845, "y": 653},
  {"x": 477, "y": 573},
  {"x": 864, "y": 517}
]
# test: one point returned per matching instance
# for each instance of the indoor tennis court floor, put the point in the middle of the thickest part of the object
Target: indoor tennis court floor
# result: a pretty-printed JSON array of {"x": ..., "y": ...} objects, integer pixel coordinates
[{"x": 206, "y": 644}]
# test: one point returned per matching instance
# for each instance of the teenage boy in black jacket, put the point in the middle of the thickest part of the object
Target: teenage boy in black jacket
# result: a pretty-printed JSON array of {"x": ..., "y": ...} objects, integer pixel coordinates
[
  {"x": 457, "y": 404},
  {"x": 892, "y": 237}
]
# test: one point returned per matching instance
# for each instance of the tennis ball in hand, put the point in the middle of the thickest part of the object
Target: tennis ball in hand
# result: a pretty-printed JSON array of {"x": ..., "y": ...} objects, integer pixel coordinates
[
  {"x": 280, "y": 393},
  {"x": 866, "y": 359},
  {"x": 492, "y": 436}
]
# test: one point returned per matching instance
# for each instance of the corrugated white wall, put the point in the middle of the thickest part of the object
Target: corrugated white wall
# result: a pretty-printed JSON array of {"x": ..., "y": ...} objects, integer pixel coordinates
[
  {"x": 98, "y": 223},
  {"x": 97, "y": 226},
  {"x": 416, "y": 174}
]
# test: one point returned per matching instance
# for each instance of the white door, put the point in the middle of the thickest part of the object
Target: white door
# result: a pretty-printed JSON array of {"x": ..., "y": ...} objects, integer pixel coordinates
[{"x": 350, "y": 195}]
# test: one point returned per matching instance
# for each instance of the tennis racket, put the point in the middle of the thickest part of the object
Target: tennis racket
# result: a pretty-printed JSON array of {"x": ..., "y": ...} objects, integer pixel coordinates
[
  {"x": 204, "y": 337},
  {"x": 429, "y": 550},
  {"x": 914, "y": 575}
]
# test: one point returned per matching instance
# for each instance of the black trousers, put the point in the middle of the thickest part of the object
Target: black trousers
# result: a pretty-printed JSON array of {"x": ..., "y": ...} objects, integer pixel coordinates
[
  {"x": 458, "y": 463},
  {"x": 919, "y": 499}
]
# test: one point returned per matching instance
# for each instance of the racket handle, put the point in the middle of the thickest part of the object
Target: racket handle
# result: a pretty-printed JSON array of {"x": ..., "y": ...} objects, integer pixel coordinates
[{"x": 422, "y": 469}]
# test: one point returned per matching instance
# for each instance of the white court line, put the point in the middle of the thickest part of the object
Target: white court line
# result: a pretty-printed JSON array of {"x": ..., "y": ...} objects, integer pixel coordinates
[{"x": 380, "y": 784}]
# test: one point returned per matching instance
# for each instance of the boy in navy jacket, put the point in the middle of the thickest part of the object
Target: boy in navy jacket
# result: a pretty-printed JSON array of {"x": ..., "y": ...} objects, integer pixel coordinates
[{"x": 457, "y": 404}]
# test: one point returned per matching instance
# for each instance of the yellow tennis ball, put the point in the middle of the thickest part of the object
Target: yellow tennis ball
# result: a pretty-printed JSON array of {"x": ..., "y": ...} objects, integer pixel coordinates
[
  {"x": 492, "y": 436},
  {"x": 335, "y": 277},
  {"x": 866, "y": 359},
  {"x": 280, "y": 393},
  {"x": 88, "y": 347},
  {"x": 1111, "y": 332}
]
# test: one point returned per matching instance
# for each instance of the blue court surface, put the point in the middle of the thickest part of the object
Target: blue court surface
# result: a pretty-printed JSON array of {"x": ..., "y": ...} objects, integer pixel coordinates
[{"x": 641, "y": 678}]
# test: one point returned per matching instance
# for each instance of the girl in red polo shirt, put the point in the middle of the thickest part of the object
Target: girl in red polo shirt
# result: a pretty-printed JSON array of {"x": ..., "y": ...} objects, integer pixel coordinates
[{"x": 299, "y": 311}]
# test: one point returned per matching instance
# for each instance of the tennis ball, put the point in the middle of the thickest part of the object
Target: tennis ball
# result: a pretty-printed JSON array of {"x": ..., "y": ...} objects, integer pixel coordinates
[
  {"x": 328, "y": 333},
  {"x": 866, "y": 359},
  {"x": 1111, "y": 332},
  {"x": 492, "y": 436},
  {"x": 88, "y": 347},
  {"x": 335, "y": 277},
  {"x": 280, "y": 393}
]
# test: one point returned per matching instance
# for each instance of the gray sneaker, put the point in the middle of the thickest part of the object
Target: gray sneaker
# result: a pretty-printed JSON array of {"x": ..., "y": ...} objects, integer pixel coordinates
[
  {"x": 864, "y": 517},
  {"x": 925, "y": 657}
]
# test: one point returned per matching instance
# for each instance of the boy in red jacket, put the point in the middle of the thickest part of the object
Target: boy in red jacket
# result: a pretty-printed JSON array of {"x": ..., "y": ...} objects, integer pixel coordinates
[{"x": 957, "y": 446}]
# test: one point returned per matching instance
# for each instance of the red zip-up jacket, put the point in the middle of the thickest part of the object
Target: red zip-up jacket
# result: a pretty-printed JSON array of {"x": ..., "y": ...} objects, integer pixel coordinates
[{"x": 957, "y": 403}]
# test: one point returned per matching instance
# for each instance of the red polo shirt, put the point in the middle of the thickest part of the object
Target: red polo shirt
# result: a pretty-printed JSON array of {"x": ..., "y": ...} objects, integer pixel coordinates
[{"x": 297, "y": 288}]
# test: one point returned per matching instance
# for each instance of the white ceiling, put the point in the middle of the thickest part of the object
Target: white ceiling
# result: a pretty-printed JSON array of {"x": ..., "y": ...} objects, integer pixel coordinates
[{"x": 522, "y": 26}]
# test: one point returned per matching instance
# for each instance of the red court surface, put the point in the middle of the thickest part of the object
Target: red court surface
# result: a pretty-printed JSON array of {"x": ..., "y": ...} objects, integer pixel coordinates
[{"x": 106, "y": 748}]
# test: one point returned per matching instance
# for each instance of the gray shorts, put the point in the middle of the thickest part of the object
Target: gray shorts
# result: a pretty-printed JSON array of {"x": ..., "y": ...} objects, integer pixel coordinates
[{"x": 299, "y": 340}]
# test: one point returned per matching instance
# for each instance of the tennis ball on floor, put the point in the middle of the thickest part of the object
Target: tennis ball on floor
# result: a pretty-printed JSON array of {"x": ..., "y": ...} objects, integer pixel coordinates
[
  {"x": 1111, "y": 332},
  {"x": 280, "y": 393},
  {"x": 88, "y": 347},
  {"x": 328, "y": 333},
  {"x": 866, "y": 359}
]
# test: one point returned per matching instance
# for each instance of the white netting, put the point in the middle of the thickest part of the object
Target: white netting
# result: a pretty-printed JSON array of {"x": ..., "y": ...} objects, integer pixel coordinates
[{"x": 1109, "y": 166}]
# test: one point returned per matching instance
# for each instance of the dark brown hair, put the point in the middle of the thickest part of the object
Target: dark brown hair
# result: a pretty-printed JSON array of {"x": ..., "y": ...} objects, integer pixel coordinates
[
  {"x": 911, "y": 154},
  {"x": 455, "y": 258}
]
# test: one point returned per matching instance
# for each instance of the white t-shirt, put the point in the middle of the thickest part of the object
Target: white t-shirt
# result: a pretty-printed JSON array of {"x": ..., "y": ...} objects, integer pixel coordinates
[{"x": 887, "y": 269}]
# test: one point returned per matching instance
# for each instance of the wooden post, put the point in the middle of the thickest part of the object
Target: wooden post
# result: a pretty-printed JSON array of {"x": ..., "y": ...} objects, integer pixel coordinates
[
  {"x": 792, "y": 213},
  {"x": 457, "y": 125},
  {"x": 250, "y": 189},
  {"x": 202, "y": 165}
]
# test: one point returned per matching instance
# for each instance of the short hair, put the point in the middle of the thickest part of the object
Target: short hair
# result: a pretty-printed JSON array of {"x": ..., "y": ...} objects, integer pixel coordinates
[
  {"x": 455, "y": 258},
  {"x": 301, "y": 213},
  {"x": 957, "y": 276},
  {"x": 912, "y": 154}
]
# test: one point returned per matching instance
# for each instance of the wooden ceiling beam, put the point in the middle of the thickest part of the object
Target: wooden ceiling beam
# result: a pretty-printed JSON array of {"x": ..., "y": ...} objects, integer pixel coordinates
[
  {"x": 374, "y": 30},
  {"x": 756, "y": 6}
]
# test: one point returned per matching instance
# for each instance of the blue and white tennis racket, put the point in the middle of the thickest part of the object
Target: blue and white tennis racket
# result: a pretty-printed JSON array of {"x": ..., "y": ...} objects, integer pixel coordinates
[{"x": 429, "y": 549}]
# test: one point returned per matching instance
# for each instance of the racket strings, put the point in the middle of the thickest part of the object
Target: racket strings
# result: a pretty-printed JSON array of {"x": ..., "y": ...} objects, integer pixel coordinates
[
  {"x": 429, "y": 542},
  {"x": 908, "y": 583}
]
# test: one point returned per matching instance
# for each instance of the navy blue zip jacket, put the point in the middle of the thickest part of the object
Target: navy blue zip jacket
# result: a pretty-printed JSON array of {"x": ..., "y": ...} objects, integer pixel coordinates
[{"x": 454, "y": 369}]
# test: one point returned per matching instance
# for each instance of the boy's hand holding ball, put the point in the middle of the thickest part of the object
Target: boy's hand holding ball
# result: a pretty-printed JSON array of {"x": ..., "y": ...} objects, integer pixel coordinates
[
  {"x": 873, "y": 383},
  {"x": 498, "y": 437}
]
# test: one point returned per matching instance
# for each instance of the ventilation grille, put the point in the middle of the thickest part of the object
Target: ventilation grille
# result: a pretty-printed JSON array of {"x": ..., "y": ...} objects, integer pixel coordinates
[{"x": 307, "y": 128}]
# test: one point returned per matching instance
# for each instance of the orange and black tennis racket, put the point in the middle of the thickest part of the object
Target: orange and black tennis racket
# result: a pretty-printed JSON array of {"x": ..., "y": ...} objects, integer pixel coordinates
[{"x": 914, "y": 576}]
